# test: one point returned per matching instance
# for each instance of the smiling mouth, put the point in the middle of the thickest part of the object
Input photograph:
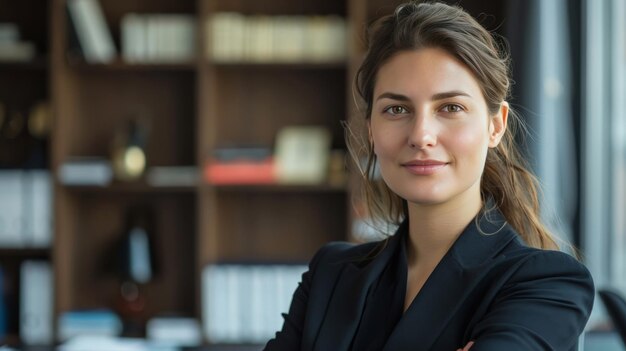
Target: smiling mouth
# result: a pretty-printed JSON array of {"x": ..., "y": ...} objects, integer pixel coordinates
[{"x": 426, "y": 167}]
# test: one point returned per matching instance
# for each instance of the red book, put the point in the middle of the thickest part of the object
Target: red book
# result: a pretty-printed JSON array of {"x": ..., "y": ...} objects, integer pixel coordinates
[{"x": 240, "y": 172}]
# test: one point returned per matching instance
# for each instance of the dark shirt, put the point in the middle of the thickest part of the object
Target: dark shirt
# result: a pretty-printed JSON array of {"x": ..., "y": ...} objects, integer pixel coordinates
[{"x": 384, "y": 303}]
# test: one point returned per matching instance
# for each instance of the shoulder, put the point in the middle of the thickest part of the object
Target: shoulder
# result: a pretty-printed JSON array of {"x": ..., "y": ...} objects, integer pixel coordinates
[
  {"x": 537, "y": 264},
  {"x": 527, "y": 261},
  {"x": 546, "y": 274},
  {"x": 538, "y": 297}
]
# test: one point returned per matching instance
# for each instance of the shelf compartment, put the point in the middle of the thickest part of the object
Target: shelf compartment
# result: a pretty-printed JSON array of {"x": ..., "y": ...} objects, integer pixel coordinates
[
  {"x": 254, "y": 104},
  {"x": 100, "y": 224},
  {"x": 104, "y": 103},
  {"x": 274, "y": 227}
]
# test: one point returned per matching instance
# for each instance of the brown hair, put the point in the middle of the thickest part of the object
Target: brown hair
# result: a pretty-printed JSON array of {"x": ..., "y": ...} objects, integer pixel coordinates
[{"x": 506, "y": 178}]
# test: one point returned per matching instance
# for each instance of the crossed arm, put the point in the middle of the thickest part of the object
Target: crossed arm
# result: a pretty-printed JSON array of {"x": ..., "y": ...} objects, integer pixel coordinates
[{"x": 544, "y": 306}]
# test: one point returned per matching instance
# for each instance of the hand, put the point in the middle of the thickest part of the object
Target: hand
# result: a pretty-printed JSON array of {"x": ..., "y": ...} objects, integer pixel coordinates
[{"x": 467, "y": 347}]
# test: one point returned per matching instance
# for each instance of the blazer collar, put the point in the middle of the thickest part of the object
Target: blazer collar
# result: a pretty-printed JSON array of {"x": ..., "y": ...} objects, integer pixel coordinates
[
  {"x": 347, "y": 302},
  {"x": 455, "y": 275}
]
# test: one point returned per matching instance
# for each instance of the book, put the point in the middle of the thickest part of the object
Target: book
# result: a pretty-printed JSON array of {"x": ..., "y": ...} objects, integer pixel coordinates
[
  {"x": 234, "y": 37},
  {"x": 19, "y": 51},
  {"x": 92, "y": 31},
  {"x": 37, "y": 194},
  {"x": 240, "y": 165},
  {"x": 240, "y": 172},
  {"x": 3, "y": 307},
  {"x": 225, "y": 33},
  {"x": 77, "y": 323},
  {"x": 42, "y": 202},
  {"x": 173, "y": 176},
  {"x": 258, "y": 39},
  {"x": 36, "y": 303},
  {"x": 289, "y": 34},
  {"x": 242, "y": 303},
  {"x": 174, "y": 331},
  {"x": 158, "y": 38},
  {"x": 326, "y": 38},
  {"x": 86, "y": 171},
  {"x": 177, "y": 38},
  {"x": 302, "y": 154},
  {"x": 250, "y": 153},
  {"x": 133, "y": 38},
  {"x": 110, "y": 343},
  {"x": 9, "y": 33},
  {"x": 25, "y": 209},
  {"x": 12, "y": 208}
]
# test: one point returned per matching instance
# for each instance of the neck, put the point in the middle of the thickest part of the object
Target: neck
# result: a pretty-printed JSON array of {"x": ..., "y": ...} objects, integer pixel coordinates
[{"x": 434, "y": 228}]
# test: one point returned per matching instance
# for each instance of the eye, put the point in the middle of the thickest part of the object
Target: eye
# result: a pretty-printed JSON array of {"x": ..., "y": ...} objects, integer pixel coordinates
[
  {"x": 395, "y": 110},
  {"x": 452, "y": 108}
]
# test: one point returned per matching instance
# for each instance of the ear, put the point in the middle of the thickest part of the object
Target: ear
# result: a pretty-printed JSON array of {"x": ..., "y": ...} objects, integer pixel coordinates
[{"x": 497, "y": 125}]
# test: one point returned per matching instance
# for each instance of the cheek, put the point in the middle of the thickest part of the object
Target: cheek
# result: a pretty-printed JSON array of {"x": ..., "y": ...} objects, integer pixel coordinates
[
  {"x": 471, "y": 141},
  {"x": 385, "y": 139}
]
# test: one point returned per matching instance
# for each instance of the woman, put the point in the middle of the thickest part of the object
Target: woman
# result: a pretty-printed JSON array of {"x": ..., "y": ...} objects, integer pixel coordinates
[{"x": 471, "y": 265}]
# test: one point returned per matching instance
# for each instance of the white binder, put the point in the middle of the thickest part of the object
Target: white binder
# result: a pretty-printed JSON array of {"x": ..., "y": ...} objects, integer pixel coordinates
[{"x": 36, "y": 303}]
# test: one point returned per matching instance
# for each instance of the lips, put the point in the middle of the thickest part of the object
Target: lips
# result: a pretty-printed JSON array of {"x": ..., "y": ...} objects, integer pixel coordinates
[{"x": 424, "y": 167}]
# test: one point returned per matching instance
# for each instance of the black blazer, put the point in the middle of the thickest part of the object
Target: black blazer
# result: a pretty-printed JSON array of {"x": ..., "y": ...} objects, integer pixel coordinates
[{"x": 491, "y": 289}]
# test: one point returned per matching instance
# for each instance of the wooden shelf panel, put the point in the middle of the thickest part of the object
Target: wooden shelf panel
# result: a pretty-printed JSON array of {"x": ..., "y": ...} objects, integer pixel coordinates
[
  {"x": 281, "y": 7},
  {"x": 129, "y": 188},
  {"x": 23, "y": 84},
  {"x": 279, "y": 188},
  {"x": 245, "y": 65},
  {"x": 380, "y": 8},
  {"x": 24, "y": 253},
  {"x": 122, "y": 66},
  {"x": 38, "y": 64}
]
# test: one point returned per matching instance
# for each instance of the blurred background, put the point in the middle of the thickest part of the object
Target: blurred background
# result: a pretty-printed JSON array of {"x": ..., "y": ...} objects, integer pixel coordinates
[{"x": 168, "y": 168}]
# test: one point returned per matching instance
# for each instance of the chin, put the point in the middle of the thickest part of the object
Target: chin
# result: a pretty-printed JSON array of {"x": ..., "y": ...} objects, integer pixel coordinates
[{"x": 425, "y": 199}]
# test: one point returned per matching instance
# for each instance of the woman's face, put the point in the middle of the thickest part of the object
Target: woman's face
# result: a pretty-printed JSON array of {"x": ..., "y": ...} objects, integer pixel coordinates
[{"x": 431, "y": 128}]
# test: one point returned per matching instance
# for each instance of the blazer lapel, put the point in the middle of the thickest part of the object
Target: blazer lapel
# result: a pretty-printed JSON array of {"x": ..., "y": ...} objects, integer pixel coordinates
[
  {"x": 456, "y": 274},
  {"x": 347, "y": 302}
]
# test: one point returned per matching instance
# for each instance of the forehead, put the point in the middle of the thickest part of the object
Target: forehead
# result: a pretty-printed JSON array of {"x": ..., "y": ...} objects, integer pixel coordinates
[{"x": 425, "y": 71}]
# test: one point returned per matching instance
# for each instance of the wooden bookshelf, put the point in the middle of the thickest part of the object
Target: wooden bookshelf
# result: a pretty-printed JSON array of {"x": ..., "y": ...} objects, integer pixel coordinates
[
  {"x": 93, "y": 101},
  {"x": 193, "y": 108},
  {"x": 23, "y": 84}
]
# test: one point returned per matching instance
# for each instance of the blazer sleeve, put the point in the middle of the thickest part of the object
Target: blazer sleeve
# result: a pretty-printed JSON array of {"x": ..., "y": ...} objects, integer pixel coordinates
[
  {"x": 290, "y": 336},
  {"x": 544, "y": 306}
]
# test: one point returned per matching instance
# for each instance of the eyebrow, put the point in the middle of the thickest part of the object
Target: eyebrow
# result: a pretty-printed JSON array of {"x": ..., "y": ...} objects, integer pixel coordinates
[{"x": 438, "y": 96}]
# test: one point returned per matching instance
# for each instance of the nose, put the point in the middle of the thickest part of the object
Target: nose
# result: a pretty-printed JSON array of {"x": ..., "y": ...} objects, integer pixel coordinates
[{"x": 422, "y": 133}]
